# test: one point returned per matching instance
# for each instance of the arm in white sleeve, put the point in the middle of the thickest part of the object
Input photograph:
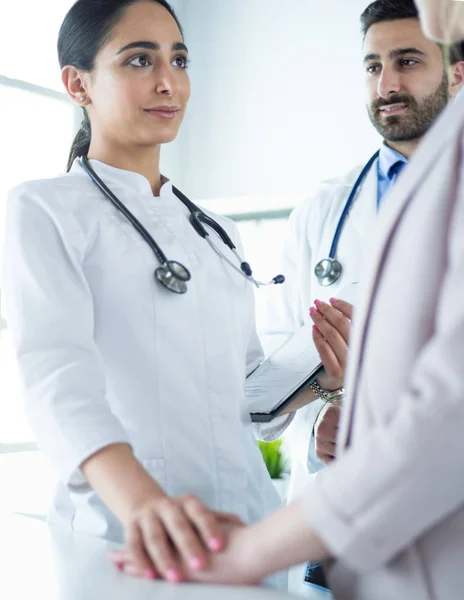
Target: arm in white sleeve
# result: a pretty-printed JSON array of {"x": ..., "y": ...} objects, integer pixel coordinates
[
  {"x": 289, "y": 312},
  {"x": 300, "y": 433},
  {"x": 288, "y": 307},
  {"x": 267, "y": 432},
  {"x": 288, "y": 316},
  {"x": 314, "y": 463},
  {"x": 51, "y": 318},
  {"x": 405, "y": 476}
]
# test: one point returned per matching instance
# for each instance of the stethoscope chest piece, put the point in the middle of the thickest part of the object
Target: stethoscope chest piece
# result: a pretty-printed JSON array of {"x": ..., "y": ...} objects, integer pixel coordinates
[
  {"x": 328, "y": 271},
  {"x": 173, "y": 276}
]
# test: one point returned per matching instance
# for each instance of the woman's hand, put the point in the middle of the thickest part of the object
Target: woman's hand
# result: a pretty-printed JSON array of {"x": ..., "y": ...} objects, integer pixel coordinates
[
  {"x": 232, "y": 566},
  {"x": 331, "y": 334},
  {"x": 253, "y": 552},
  {"x": 169, "y": 537}
]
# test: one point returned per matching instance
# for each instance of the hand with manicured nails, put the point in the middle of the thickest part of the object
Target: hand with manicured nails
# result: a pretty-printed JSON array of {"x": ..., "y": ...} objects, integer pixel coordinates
[
  {"x": 253, "y": 552},
  {"x": 331, "y": 334},
  {"x": 232, "y": 565},
  {"x": 168, "y": 537}
]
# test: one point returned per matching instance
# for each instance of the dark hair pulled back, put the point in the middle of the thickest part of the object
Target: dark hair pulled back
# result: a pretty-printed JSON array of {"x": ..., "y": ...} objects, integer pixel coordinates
[{"x": 85, "y": 30}]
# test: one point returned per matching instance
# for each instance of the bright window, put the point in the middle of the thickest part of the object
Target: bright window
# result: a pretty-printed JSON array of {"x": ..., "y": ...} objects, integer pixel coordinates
[{"x": 37, "y": 126}]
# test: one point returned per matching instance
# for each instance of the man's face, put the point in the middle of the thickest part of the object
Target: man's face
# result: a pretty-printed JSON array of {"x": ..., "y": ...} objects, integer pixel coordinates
[{"x": 406, "y": 82}]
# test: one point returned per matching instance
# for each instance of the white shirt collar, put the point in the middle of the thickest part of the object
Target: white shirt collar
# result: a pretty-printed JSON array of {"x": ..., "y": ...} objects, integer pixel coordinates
[{"x": 120, "y": 178}]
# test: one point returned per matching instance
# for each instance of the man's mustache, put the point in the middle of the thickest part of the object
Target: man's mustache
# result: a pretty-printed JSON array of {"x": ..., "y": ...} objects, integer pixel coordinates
[{"x": 381, "y": 102}]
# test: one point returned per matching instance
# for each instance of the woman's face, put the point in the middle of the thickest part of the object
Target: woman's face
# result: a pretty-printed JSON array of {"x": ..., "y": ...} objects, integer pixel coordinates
[
  {"x": 139, "y": 89},
  {"x": 442, "y": 20}
]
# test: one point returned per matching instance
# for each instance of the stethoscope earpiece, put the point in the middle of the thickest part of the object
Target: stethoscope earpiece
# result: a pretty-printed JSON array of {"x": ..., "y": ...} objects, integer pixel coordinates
[
  {"x": 246, "y": 269},
  {"x": 279, "y": 279}
]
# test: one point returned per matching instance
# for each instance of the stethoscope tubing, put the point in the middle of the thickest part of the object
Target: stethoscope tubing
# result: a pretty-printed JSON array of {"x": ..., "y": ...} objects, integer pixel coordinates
[
  {"x": 196, "y": 215},
  {"x": 349, "y": 203},
  {"x": 198, "y": 220}
]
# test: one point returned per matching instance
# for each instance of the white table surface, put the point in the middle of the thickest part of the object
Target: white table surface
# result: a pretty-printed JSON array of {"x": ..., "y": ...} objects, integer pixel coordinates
[{"x": 41, "y": 562}]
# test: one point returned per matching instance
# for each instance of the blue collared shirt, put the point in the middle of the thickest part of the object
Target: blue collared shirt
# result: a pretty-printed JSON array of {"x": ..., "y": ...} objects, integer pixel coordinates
[{"x": 389, "y": 167}]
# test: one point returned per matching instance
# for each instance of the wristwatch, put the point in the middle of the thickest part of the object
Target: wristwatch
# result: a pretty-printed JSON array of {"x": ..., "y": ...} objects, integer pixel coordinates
[{"x": 332, "y": 397}]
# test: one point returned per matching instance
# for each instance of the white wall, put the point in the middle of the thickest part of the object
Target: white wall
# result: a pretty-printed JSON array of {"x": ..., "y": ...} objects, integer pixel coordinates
[{"x": 277, "y": 96}]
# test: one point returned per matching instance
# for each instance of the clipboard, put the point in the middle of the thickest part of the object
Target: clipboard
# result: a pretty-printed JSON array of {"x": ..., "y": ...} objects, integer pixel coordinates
[{"x": 272, "y": 386}]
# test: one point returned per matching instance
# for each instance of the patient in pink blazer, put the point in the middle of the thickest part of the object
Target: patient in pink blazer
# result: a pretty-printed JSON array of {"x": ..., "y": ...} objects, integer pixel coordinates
[{"x": 387, "y": 517}]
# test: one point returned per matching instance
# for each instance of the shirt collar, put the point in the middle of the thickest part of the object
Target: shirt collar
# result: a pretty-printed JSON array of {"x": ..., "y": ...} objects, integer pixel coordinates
[
  {"x": 387, "y": 158},
  {"x": 119, "y": 178}
]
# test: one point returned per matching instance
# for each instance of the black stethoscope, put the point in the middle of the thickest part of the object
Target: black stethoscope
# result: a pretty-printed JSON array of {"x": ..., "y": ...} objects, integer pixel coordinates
[
  {"x": 172, "y": 274},
  {"x": 329, "y": 270}
]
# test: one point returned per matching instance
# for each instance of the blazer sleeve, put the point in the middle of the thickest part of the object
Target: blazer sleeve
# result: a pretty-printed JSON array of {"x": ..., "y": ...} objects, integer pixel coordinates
[
  {"x": 405, "y": 476},
  {"x": 50, "y": 314}
]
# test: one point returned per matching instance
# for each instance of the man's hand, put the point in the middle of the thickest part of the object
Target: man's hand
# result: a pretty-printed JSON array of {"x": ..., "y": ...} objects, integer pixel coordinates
[{"x": 325, "y": 433}]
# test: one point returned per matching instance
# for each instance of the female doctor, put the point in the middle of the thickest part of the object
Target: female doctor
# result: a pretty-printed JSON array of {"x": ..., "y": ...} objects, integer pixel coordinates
[
  {"x": 389, "y": 512},
  {"x": 133, "y": 366}
]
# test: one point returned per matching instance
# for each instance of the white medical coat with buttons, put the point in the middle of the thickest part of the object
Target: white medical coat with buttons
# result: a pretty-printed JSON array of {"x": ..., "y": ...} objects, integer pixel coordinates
[
  {"x": 311, "y": 230},
  {"x": 106, "y": 354}
]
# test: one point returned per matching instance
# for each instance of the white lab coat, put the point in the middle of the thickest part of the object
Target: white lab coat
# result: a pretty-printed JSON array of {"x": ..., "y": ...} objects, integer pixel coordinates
[
  {"x": 311, "y": 230},
  {"x": 107, "y": 355}
]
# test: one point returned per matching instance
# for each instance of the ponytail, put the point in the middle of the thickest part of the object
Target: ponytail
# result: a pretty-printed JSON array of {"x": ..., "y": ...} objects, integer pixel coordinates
[{"x": 81, "y": 144}]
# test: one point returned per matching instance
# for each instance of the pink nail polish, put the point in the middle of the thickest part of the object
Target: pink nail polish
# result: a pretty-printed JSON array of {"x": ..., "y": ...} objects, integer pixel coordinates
[
  {"x": 149, "y": 574},
  {"x": 318, "y": 303},
  {"x": 314, "y": 329},
  {"x": 173, "y": 576},
  {"x": 196, "y": 563},
  {"x": 312, "y": 311},
  {"x": 215, "y": 544},
  {"x": 332, "y": 300}
]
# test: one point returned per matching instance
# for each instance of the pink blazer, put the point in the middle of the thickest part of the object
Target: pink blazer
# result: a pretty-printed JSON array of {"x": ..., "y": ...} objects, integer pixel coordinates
[{"x": 391, "y": 508}]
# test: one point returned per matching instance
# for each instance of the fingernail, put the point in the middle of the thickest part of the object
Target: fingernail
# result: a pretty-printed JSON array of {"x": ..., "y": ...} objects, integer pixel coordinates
[
  {"x": 173, "y": 576},
  {"x": 215, "y": 544},
  {"x": 149, "y": 574},
  {"x": 132, "y": 571},
  {"x": 314, "y": 329},
  {"x": 312, "y": 311},
  {"x": 332, "y": 300},
  {"x": 196, "y": 563},
  {"x": 318, "y": 303}
]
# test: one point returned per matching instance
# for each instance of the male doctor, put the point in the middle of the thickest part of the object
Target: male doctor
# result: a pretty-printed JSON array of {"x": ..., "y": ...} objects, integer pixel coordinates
[{"x": 407, "y": 86}]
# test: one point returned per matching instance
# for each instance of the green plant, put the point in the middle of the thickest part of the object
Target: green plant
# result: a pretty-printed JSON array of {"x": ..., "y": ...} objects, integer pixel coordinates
[{"x": 273, "y": 458}]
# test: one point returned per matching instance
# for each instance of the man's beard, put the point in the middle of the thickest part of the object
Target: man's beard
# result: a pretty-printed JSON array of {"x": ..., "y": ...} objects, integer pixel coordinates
[{"x": 412, "y": 126}]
